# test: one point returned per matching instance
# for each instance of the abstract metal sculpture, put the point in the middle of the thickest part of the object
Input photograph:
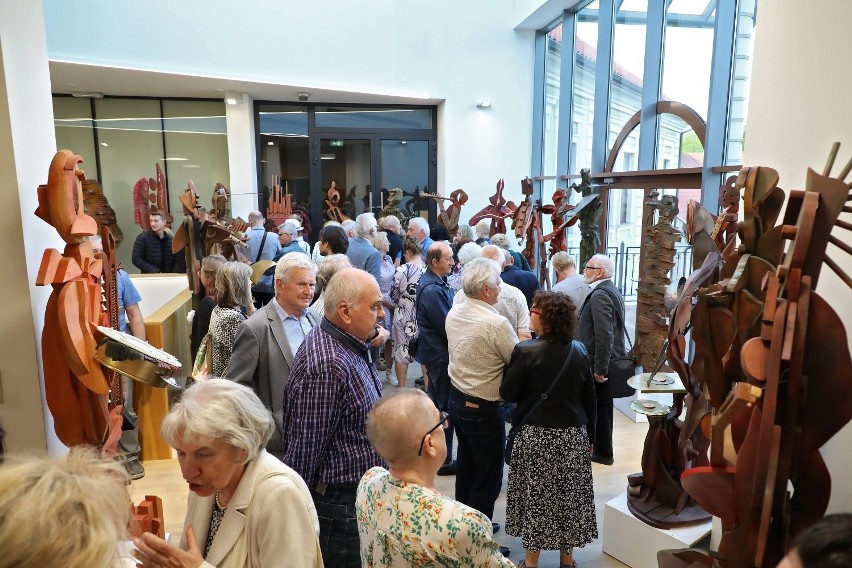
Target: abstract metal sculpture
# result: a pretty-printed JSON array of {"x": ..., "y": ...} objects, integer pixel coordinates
[
  {"x": 150, "y": 196},
  {"x": 449, "y": 216},
  {"x": 498, "y": 210},
  {"x": 590, "y": 240}
]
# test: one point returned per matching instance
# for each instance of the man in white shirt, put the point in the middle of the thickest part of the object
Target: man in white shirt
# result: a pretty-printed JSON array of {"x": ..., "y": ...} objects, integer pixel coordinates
[
  {"x": 480, "y": 343},
  {"x": 568, "y": 281}
]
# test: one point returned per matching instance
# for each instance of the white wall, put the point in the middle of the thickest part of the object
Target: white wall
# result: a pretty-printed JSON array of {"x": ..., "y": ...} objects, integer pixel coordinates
[
  {"x": 458, "y": 52},
  {"x": 798, "y": 106},
  {"x": 27, "y": 145}
]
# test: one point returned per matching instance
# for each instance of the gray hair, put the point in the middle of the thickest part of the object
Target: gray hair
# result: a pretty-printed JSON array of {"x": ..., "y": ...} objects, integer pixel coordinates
[
  {"x": 500, "y": 240},
  {"x": 365, "y": 225},
  {"x": 478, "y": 273},
  {"x": 389, "y": 222},
  {"x": 562, "y": 260},
  {"x": 291, "y": 261},
  {"x": 606, "y": 263},
  {"x": 421, "y": 224},
  {"x": 233, "y": 285},
  {"x": 349, "y": 227},
  {"x": 223, "y": 409},
  {"x": 380, "y": 240},
  {"x": 483, "y": 228},
  {"x": 466, "y": 233},
  {"x": 330, "y": 266},
  {"x": 495, "y": 253},
  {"x": 468, "y": 252},
  {"x": 288, "y": 228}
]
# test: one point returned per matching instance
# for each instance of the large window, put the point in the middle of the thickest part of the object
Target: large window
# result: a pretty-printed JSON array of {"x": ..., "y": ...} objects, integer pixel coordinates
[{"x": 122, "y": 140}]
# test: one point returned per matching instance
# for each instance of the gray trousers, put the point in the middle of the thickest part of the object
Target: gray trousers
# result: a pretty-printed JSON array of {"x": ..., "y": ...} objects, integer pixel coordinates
[{"x": 128, "y": 445}]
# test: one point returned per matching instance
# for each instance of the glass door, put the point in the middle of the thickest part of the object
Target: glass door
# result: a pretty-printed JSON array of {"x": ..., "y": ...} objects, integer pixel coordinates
[
  {"x": 404, "y": 176},
  {"x": 346, "y": 162}
]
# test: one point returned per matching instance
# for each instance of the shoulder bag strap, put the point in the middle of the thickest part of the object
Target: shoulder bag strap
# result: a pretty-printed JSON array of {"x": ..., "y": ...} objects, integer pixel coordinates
[
  {"x": 618, "y": 316},
  {"x": 546, "y": 393},
  {"x": 262, "y": 242}
]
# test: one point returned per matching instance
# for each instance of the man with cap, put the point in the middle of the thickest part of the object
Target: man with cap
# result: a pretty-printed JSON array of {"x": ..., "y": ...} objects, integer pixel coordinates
[
  {"x": 287, "y": 242},
  {"x": 306, "y": 248}
]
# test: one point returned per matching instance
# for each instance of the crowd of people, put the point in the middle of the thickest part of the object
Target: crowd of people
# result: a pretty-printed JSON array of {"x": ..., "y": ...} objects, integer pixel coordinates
[{"x": 297, "y": 438}]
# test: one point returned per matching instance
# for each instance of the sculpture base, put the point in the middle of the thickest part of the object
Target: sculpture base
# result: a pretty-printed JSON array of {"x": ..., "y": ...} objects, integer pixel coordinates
[
  {"x": 635, "y": 543},
  {"x": 652, "y": 512}
]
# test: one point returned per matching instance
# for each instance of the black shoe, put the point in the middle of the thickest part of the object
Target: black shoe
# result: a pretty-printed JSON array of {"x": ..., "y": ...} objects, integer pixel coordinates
[
  {"x": 449, "y": 468},
  {"x": 504, "y": 550},
  {"x": 419, "y": 381},
  {"x": 495, "y": 528},
  {"x": 602, "y": 459},
  {"x": 134, "y": 469}
]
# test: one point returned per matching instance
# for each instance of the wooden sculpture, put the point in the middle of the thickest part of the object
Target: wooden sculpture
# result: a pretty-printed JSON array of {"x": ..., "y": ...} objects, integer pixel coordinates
[
  {"x": 527, "y": 222},
  {"x": 392, "y": 201},
  {"x": 188, "y": 238},
  {"x": 658, "y": 247},
  {"x": 221, "y": 202},
  {"x": 98, "y": 207},
  {"x": 590, "y": 239},
  {"x": 148, "y": 517},
  {"x": 557, "y": 209},
  {"x": 767, "y": 480},
  {"x": 76, "y": 386},
  {"x": 497, "y": 210},
  {"x": 150, "y": 196},
  {"x": 332, "y": 203},
  {"x": 449, "y": 217}
]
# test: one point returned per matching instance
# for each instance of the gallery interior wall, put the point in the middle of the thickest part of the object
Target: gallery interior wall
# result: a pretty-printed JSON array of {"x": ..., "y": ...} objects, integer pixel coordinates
[{"x": 799, "y": 106}]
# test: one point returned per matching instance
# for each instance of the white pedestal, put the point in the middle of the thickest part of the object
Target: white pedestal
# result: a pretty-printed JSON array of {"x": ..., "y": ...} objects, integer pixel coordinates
[{"x": 634, "y": 543}]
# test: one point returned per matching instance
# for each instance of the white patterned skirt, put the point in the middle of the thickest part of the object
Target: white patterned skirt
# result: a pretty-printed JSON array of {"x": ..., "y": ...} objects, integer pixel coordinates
[{"x": 550, "y": 502}]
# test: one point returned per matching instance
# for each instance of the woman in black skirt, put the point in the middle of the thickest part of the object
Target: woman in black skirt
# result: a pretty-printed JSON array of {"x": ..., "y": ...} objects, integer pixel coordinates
[{"x": 550, "y": 502}]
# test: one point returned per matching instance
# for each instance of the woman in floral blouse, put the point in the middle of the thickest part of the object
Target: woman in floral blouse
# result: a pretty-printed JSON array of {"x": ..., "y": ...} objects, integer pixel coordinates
[
  {"x": 403, "y": 292},
  {"x": 402, "y": 520}
]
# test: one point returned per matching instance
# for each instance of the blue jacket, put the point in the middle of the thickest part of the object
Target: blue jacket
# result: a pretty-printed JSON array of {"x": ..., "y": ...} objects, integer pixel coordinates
[
  {"x": 365, "y": 256},
  {"x": 525, "y": 281},
  {"x": 433, "y": 301}
]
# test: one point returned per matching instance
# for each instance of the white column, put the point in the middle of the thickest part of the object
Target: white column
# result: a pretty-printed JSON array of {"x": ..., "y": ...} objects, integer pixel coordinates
[
  {"x": 242, "y": 156},
  {"x": 27, "y": 145}
]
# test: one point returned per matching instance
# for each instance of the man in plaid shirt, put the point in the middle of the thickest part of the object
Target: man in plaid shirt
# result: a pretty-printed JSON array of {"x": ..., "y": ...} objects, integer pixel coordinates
[{"x": 332, "y": 388}]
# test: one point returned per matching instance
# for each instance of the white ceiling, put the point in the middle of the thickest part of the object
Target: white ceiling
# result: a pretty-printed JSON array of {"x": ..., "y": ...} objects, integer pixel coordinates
[{"x": 69, "y": 77}]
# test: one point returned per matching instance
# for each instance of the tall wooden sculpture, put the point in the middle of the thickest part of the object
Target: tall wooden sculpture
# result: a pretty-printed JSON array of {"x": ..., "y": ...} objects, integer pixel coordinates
[
  {"x": 332, "y": 204},
  {"x": 98, "y": 207},
  {"x": 659, "y": 238},
  {"x": 392, "y": 201},
  {"x": 782, "y": 386},
  {"x": 221, "y": 203},
  {"x": 150, "y": 196},
  {"x": 449, "y": 216}
]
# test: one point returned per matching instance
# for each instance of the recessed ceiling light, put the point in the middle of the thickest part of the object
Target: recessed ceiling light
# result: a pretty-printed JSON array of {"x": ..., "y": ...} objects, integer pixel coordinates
[
  {"x": 270, "y": 143},
  {"x": 104, "y": 144}
]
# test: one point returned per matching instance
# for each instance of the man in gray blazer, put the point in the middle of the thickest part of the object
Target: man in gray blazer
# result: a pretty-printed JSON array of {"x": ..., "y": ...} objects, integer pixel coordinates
[
  {"x": 267, "y": 341},
  {"x": 601, "y": 330},
  {"x": 361, "y": 252}
]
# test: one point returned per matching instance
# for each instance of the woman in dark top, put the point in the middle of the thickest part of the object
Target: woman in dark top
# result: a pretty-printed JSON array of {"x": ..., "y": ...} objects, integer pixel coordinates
[
  {"x": 201, "y": 320},
  {"x": 550, "y": 502}
]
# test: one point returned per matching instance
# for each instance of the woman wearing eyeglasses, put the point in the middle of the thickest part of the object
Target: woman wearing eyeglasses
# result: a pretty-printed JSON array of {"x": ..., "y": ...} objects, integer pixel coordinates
[{"x": 550, "y": 501}]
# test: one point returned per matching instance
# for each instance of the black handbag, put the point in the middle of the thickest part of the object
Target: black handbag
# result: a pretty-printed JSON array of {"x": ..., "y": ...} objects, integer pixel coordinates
[
  {"x": 518, "y": 424},
  {"x": 622, "y": 368}
]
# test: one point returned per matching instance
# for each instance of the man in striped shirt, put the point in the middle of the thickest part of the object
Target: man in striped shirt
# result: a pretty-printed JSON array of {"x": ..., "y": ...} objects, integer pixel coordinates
[{"x": 332, "y": 388}]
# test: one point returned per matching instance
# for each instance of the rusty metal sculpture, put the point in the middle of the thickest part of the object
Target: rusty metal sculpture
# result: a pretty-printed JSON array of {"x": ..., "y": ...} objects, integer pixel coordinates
[
  {"x": 498, "y": 210},
  {"x": 332, "y": 203},
  {"x": 221, "y": 203},
  {"x": 791, "y": 346},
  {"x": 449, "y": 216},
  {"x": 150, "y": 196},
  {"x": 98, "y": 207}
]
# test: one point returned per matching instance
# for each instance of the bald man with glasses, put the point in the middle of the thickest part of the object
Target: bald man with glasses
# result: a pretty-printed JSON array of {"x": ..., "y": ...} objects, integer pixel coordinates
[
  {"x": 406, "y": 430},
  {"x": 601, "y": 330}
]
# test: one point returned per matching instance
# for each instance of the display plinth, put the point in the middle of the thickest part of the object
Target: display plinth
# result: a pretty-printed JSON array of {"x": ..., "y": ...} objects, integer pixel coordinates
[
  {"x": 623, "y": 404},
  {"x": 634, "y": 543}
]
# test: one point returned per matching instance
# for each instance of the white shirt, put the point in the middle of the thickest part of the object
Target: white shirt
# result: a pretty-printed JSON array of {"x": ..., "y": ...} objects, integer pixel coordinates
[
  {"x": 511, "y": 304},
  {"x": 576, "y": 288},
  {"x": 480, "y": 342}
]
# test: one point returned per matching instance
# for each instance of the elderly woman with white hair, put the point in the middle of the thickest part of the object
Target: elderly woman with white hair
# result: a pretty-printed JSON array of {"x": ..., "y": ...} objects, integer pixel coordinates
[
  {"x": 467, "y": 252},
  {"x": 246, "y": 508},
  {"x": 330, "y": 266}
]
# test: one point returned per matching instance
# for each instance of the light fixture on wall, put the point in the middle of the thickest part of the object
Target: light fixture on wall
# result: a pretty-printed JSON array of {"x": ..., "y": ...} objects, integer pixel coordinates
[
  {"x": 232, "y": 98},
  {"x": 303, "y": 97},
  {"x": 484, "y": 104},
  {"x": 87, "y": 95}
]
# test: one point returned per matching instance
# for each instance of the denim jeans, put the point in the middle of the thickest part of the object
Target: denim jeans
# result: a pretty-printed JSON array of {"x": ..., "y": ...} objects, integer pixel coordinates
[
  {"x": 439, "y": 392},
  {"x": 481, "y": 432},
  {"x": 338, "y": 526}
]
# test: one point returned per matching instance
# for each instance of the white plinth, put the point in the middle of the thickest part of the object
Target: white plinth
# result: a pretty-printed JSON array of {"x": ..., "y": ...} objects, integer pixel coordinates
[{"x": 634, "y": 543}]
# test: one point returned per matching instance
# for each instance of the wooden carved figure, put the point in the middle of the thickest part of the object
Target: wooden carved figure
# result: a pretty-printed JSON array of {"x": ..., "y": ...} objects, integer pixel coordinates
[
  {"x": 449, "y": 216},
  {"x": 98, "y": 207},
  {"x": 590, "y": 240},
  {"x": 392, "y": 201},
  {"x": 221, "y": 203},
  {"x": 497, "y": 210},
  {"x": 150, "y": 196},
  {"x": 332, "y": 203}
]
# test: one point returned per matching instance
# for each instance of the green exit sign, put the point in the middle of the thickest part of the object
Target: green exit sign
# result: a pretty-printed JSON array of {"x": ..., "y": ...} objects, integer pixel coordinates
[{"x": 336, "y": 143}]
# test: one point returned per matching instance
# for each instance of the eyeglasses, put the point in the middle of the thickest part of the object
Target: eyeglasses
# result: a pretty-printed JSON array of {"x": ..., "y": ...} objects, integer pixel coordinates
[
  {"x": 442, "y": 424},
  {"x": 535, "y": 311},
  {"x": 593, "y": 267}
]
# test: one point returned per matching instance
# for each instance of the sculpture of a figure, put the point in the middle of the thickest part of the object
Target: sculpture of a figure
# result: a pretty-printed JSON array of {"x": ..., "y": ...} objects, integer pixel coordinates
[
  {"x": 188, "y": 237},
  {"x": 498, "y": 210},
  {"x": 332, "y": 203},
  {"x": 99, "y": 208},
  {"x": 413, "y": 205},
  {"x": 658, "y": 247},
  {"x": 449, "y": 216},
  {"x": 392, "y": 201},
  {"x": 151, "y": 196},
  {"x": 221, "y": 210},
  {"x": 556, "y": 237},
  {"x": 76, "y": 386},
  {"x": 590, "y": 240}
]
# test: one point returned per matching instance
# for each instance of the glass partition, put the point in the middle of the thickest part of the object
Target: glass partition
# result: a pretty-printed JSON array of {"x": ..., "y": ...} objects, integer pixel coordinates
[
  {"x": 283, "y": 133},
  {"x": 72, "y": 119},
  {"x": 628, "y": 46},
  {"x": 343, "y": 118},
  {"x": 405, "y": 164}
]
